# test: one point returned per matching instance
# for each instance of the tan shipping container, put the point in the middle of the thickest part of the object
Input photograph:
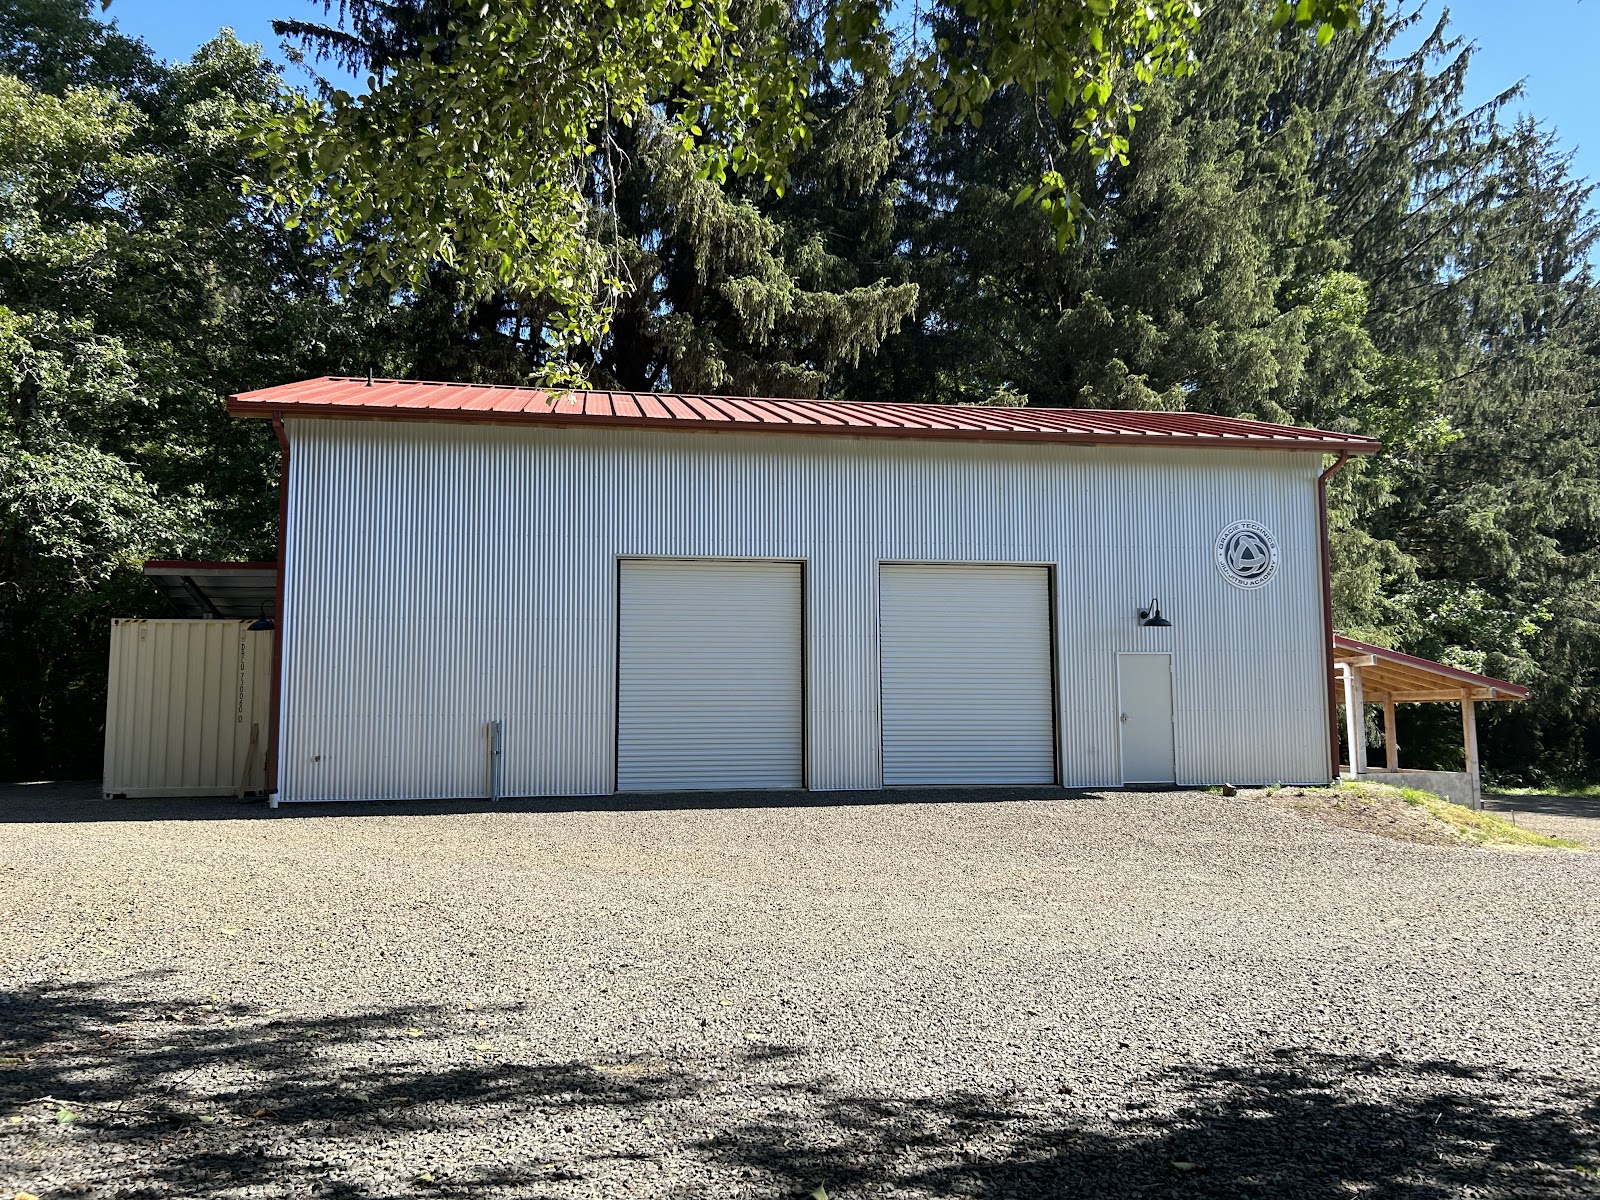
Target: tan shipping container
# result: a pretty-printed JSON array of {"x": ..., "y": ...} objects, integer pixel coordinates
[{"x": 187, "y": 708}]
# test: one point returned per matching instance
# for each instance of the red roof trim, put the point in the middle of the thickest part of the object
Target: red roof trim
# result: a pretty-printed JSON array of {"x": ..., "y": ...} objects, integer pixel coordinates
[
  {"x": 398, "y": 399},
  {"x": 1427, "y": 664}
]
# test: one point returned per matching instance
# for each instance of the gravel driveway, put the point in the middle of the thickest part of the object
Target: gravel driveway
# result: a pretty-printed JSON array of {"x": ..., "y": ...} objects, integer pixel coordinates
[
  {"x": 1028, "y": 994},
  {"x": 1574, "y": 817}
]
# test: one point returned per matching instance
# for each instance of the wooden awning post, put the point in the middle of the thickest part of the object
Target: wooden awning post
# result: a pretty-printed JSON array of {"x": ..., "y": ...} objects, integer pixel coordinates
[
  {"x": 1469, "y": 737},
  {"x": 1391, "y": 747}
]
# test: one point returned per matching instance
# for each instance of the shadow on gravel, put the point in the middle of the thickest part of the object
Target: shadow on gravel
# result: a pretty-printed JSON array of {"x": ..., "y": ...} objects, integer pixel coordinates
[
  {"x": 129, "y": 1098},
  {"x": 63, "y": 804},
  {"x": 197, "y": 1099},
  {"x": 1302, "y": 1125}
]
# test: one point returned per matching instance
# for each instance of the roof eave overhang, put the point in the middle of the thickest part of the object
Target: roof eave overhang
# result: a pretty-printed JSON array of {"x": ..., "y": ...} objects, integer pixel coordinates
[
  {"x": 359, "y": 412},
  {"x": 186, "y": 566},
  {"x": 216, "y": 590}
]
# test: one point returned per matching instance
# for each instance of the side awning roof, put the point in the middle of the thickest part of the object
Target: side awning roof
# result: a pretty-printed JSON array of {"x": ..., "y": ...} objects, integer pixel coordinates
[
  {"x": 1404, "y": 678},
  {"x": 222, "y": 590}
]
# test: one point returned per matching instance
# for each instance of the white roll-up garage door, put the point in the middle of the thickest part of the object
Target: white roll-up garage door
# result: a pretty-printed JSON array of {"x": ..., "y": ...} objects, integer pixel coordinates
[
  {"x": 966, "y": 675},
  {"x": 709, "y": 676}
]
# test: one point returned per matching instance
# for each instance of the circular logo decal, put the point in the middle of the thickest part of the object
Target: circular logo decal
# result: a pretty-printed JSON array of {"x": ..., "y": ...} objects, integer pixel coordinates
[{"x": 1247, "y": 554}]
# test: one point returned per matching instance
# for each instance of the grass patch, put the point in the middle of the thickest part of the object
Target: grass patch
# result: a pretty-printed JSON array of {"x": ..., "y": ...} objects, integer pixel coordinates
[{"x": 1483, "y": 828}]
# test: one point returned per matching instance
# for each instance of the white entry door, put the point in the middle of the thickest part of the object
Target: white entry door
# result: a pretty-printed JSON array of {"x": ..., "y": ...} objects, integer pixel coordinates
[
  {"x": 709, "y": 680},
  {"x": 1145, "y": 690},
  {"x": 966, "y": 675}
]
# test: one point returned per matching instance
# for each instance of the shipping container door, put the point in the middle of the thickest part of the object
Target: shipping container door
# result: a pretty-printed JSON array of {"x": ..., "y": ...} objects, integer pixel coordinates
[
  {"x": 709, "y": 677},
  {"x": 187, "y": 706},
  {"x": 966, "y": 675}
]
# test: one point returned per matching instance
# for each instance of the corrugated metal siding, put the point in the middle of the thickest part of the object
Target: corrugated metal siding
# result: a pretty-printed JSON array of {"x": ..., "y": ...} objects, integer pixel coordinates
[
  {"x": 966, "y": 675},
  {"x": 187, "y": 705},
  {"x": 442, "y": 576},
  {"x": 709, "y": 676}
]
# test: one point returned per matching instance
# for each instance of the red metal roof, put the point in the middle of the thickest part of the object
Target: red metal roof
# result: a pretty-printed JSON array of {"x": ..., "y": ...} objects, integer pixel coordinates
[{"x": 405, "y": 399}]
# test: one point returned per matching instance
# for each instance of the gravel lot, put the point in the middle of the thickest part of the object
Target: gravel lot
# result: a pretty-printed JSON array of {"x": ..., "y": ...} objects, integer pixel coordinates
[
  {"x": 1574, "y": 817},
  {"x": 1027, "y": 994}
]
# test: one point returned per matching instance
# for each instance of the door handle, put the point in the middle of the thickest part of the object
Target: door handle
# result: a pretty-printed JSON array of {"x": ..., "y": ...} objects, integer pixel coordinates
[{"x": 1124, "y": 718}]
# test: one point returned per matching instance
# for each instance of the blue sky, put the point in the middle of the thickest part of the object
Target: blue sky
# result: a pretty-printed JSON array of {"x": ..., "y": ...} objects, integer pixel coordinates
[{"x": 1548, "y": 43}]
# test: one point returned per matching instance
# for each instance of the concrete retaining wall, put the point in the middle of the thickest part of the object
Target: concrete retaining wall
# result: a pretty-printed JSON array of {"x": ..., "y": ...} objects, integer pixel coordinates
[{"x": 1455, "y": 786}]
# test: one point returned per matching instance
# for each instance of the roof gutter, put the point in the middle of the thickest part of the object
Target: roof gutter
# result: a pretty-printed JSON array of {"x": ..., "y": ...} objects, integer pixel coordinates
[
  {"x": 1327, "y": 614},
  {"x": 277, "y": 611}
]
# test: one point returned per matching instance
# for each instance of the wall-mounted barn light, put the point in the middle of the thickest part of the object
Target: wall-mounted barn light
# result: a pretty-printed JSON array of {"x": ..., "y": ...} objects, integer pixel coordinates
[
  {"x": 261, "y": 624},
  {"x": 1151, "y": 617}
]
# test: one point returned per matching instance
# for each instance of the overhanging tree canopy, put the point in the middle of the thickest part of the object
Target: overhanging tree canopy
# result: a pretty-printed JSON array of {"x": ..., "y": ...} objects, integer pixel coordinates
[{"x": 485, "y": 139}]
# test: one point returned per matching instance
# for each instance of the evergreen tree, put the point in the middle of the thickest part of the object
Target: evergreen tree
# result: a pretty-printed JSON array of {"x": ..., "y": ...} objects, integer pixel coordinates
[
  {"x": 728, "y": 286},
  {"x": 740, "y": 292}
]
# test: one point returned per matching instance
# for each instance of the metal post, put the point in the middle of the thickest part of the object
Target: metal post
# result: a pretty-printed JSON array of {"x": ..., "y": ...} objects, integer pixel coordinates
[
  {"x": 1391, "y": 747},
  {"x": 496, "y": 762},
  {"x": 1469, "y": 737}
]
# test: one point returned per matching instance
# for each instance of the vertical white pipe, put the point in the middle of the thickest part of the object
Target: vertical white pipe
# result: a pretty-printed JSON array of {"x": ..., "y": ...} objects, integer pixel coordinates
[
  {"x": 1357, "y": 715},
  {"x": 1469, "y": 736}
]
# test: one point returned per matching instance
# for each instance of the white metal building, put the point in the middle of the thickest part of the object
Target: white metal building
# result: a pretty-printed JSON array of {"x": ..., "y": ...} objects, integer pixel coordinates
[{"x": 500, "y": 591}]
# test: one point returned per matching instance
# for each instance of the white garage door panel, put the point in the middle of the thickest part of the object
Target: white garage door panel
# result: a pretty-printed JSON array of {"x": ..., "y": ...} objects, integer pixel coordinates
[
  {"x": 966, "y": 675},
  {"x": 709, "y": 676}
]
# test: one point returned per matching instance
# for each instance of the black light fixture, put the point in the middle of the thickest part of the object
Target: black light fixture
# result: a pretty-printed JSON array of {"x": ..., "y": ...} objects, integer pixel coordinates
[
  {"x": 1151, "y": 617},
  {"x": 262, "y": 624}
]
